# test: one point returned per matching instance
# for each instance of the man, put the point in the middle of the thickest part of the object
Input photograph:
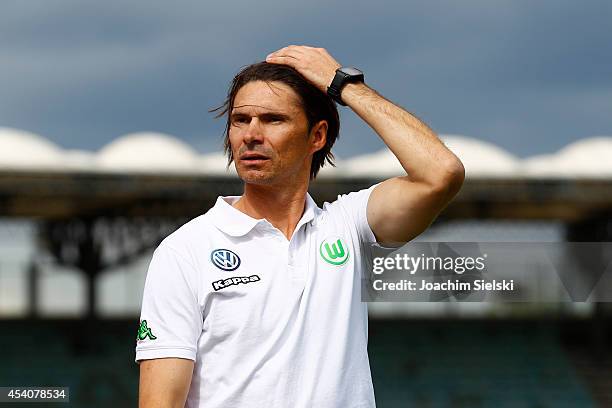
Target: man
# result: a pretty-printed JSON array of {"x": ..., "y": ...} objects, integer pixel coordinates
[{"x": 257, "y": 302}]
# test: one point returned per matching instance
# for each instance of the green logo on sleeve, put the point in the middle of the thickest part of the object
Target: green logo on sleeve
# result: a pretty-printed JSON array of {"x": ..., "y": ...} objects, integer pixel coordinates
[
  {"x": 144, "y": 332},
  {"x": 336, "y": 253}
]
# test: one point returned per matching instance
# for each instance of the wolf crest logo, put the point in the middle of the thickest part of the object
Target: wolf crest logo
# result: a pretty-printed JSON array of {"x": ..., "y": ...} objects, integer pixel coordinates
[{"x": 334, "y": 251}]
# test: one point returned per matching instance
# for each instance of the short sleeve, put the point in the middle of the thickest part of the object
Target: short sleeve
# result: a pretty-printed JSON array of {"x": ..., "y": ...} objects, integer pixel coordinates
[
  {"x": 355, "y": 205},
  {"x": 171, "y": 317}
]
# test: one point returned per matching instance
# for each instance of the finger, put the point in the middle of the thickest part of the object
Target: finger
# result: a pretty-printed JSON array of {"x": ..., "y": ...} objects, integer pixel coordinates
[
  {"x": 291, "y": 49},
  {"x": 282, "y": 56},
  {"x": 284, "y": 52},
  {"x": 282, "y": 59},
  {"x": 296, "y": 47}
]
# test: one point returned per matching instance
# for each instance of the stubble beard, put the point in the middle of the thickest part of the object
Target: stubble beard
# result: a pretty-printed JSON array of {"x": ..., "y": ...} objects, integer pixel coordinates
[{"x": 262, "y": 176}]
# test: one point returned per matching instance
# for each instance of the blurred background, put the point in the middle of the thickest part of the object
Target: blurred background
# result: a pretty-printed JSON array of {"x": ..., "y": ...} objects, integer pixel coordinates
[{"x": 107, "y": 146}]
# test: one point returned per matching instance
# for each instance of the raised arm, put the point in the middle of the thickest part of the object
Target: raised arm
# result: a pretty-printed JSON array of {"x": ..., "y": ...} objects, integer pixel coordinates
[
  {"x": 399, "y": 208},
  {"x": 164, "y": 382}
]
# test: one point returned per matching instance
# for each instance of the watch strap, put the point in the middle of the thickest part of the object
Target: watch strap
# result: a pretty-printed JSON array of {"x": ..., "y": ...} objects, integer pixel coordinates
[{"x": 341, "y": 78}]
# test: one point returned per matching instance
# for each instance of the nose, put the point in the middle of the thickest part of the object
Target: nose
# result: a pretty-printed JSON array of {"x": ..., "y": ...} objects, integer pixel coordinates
[{"x": 253, "y": 133}]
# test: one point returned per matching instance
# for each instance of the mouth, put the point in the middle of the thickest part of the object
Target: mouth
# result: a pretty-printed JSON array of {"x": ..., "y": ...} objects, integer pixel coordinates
[{"x": 253, "y": 158}]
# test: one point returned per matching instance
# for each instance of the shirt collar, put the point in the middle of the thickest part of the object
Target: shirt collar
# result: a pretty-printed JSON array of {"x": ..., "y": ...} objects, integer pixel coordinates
[{"x": 235, "y": 223}]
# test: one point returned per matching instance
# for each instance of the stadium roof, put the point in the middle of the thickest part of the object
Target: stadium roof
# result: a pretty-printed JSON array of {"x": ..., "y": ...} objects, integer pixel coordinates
[
  {"x": 155, "y": 153},
  {"x": 152, "y": 174}
]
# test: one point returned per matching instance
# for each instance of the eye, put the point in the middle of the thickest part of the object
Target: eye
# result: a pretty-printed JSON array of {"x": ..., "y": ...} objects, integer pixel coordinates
[{"x": 240, "y": 119}]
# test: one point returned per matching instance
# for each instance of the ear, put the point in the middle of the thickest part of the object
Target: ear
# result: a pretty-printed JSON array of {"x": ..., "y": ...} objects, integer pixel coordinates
[{"x": 318, "y": 136}]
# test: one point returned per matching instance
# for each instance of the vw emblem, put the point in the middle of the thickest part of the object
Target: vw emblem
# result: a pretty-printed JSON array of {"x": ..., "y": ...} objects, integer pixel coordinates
[{"x": 225, "y": 259}]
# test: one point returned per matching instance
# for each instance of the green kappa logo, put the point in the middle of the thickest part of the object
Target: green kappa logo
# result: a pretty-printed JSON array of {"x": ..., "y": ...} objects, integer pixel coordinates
[
  {"x": 144, "y": 331},
  {"x": 334, "y": 251}
]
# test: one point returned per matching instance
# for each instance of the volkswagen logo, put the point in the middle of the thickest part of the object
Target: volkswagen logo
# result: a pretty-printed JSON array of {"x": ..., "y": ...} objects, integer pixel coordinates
[{"x": 225, "y": 259}]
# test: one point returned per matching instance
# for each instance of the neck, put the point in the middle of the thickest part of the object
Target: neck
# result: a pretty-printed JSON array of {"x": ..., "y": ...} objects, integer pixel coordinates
[{"x": 281, "y": 206}]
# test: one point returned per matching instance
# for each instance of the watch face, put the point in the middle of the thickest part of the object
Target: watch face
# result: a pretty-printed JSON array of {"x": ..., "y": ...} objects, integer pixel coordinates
[{"x": 351, "y": 71}]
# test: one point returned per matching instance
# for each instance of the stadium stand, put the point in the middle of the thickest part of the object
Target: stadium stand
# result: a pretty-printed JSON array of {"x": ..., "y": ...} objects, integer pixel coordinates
[{"x": 431, "y": 363}]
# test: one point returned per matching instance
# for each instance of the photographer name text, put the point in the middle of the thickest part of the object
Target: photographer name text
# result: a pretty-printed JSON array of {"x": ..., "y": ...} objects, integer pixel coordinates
[{"x": 453, "y": 285}]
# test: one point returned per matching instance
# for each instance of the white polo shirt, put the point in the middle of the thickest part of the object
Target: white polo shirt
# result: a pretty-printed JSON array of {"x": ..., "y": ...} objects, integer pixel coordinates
[{"x": 269, "y": 322}]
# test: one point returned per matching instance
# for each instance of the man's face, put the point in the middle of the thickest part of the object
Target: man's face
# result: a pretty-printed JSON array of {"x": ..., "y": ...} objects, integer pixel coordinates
[{"x": 269, "y": 134}]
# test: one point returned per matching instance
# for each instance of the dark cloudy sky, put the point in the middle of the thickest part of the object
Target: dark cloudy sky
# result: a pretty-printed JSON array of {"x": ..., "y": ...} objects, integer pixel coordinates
[{"x": 530, "y": 76}]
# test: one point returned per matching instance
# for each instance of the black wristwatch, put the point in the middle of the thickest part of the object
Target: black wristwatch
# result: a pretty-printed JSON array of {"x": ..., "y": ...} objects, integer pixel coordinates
[{"x": 344, "y": 75}]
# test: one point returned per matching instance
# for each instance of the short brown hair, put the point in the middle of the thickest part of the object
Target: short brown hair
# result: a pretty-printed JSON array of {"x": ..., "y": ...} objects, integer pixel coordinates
[{"x": 316, "y": 104}]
